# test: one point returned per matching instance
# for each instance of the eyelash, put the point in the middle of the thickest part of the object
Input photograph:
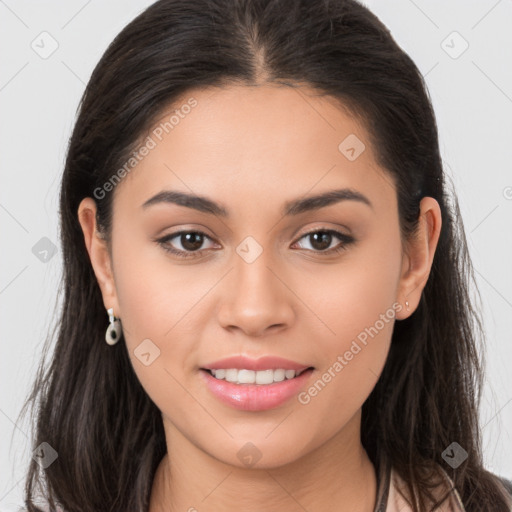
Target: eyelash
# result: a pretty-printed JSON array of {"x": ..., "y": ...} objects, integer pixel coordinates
[{"x": 164, "y": 242}]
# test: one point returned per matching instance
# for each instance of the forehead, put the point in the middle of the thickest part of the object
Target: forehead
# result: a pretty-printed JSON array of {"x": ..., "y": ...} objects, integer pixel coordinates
[{"x": 276, "y": 141}]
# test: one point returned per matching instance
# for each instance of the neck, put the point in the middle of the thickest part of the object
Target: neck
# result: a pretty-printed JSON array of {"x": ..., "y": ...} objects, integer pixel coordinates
[{"x": 337, "y": 474}]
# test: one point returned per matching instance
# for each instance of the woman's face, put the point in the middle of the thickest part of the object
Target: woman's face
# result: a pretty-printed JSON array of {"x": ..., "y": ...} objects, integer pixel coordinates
[{"x": 259, "y": 279}]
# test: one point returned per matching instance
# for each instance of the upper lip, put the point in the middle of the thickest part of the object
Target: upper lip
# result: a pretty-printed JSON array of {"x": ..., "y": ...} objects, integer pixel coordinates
[{"x": 263, "y": 363}]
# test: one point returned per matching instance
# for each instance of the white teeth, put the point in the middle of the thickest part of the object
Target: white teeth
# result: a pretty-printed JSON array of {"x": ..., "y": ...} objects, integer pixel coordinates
[
  {"x": 246, "y": 376},
  {"x": 289, "y": 374},
  {"x": 264, "y": 376},
  {"x": 232, "y": 375},
  {"x": 254, "y": 377},
  {"x": 220, "y": 374},
  {"x": 279, "y": 375}
]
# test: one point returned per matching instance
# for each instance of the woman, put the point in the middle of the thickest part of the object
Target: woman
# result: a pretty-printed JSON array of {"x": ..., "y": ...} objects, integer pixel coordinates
[{"x": 265, "y": 282}]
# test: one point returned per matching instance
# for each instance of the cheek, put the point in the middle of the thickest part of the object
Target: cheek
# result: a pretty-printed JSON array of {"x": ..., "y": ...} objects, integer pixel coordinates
[
  {"x": 162, "y": 306},
  {"x": 153, "y": 293},
  {"x": 358, "y": 296},
  {"x": 351, "y": 361},
  {"x": 154, "y": 302},
  {"x": 358, "y": 311}
]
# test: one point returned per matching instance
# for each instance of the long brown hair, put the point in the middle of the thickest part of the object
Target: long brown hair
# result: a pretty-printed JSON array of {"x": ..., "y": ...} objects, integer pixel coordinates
[{"x": 87, "y": 402}]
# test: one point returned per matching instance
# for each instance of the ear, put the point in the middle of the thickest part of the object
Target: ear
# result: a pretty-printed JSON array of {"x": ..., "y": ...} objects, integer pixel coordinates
[
  {"x": 418, "y": 257},
  {"x": 98, "y": 254}
]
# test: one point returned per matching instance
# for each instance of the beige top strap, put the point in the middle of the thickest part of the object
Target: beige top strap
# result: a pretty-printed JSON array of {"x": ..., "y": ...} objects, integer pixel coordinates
[{"x": 397, "y": 503}]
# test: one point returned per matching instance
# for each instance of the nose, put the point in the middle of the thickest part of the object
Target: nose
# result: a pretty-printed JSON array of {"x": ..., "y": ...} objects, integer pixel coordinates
[{"x": 255, "y": 298}]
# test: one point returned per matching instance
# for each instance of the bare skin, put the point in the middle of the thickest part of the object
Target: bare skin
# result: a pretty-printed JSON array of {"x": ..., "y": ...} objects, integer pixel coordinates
[{"x": 251, "y": 149}]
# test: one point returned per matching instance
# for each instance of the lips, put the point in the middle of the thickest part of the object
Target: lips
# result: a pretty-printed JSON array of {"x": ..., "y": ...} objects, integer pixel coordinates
[{"x": 255, "y": 396}]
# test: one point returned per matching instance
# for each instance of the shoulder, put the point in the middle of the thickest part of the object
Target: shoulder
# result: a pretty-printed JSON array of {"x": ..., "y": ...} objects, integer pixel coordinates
[
  {"x": 394, "y": 495},
  {"x": 399, "y": 498},
  {"x": 507, "y": 484},
  {"x": 507, "y": 487}
]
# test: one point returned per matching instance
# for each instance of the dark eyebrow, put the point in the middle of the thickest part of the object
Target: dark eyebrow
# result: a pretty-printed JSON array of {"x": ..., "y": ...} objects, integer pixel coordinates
[
  {"x": 294, "y": 207},
  {"x": 200, "y": 203},
  {"x": 306, "y": 204}
]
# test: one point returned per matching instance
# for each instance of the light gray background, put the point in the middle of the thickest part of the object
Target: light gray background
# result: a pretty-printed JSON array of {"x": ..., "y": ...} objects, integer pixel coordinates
[{"x": 472, "y": 97}]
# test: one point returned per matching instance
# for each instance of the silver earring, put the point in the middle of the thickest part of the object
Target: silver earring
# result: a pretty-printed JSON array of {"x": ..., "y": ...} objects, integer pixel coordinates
[
  {"x": 114, "y": 329},
  {"x": 407, "y": 305}
]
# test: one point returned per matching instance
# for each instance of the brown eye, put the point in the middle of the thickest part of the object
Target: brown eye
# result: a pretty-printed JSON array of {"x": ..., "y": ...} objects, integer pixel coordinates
[
  {"x": 321, "y": 240},
  {"x": 190, "y": 242}
]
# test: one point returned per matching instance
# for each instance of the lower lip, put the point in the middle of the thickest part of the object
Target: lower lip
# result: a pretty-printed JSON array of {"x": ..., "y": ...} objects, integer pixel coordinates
[{"x": 255, "y": 397}]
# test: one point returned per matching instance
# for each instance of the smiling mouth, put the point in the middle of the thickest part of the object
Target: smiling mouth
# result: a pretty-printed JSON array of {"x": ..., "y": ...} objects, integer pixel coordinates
[
  {"x": 260, "y": 377},
  {"x": 256, "y": 390}
]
